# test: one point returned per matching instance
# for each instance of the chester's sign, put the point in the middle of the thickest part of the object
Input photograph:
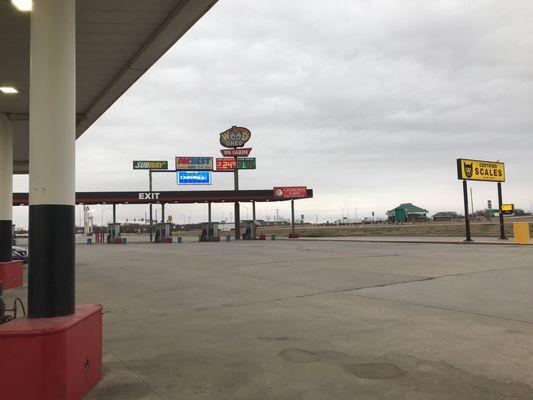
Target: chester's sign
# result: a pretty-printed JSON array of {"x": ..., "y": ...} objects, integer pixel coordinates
[
  {"x": 477, "y": 170},
  {"x": 235, "y": 137}
]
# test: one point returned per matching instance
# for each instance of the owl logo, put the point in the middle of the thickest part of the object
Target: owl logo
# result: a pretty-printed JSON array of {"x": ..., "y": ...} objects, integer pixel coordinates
[{"x": 469, "y": 170}]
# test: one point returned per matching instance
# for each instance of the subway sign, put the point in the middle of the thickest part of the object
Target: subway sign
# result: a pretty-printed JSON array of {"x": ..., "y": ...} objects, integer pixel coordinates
[
  {"x": 478, "y": 170},
  {"x": 194, "y": 177},
  {"x": 150, "y": 165},
  {"x": 194, "y": 163}
]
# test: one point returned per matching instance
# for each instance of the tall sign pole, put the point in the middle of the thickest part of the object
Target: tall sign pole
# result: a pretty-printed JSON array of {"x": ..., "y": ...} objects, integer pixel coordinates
[
  {"x": 237, "y": 205},
  {"x": 467, "y": 217},
  {"x": 500, "y": 202},
  {"x": 157, "y": 166},
  {"x": 235, "y": 138}
]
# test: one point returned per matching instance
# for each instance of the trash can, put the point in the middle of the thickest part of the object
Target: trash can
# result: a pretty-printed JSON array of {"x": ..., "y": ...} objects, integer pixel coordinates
[
  {"x": 179, "y": 239},
  {"x": 228, "y": 238},
  {"x": 273, "y": 237},
  {"x": 521, "y": 232},
  {"x": 89, "y": 241},
  {"x": 124, "y": 241}
]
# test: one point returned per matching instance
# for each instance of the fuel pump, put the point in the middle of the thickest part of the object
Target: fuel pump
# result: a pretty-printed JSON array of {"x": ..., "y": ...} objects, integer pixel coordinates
[{"x": 209, "y": 232}]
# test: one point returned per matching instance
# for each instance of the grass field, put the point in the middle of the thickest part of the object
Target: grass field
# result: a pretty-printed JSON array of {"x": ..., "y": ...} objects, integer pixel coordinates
[{"x": 429, "y": 229}]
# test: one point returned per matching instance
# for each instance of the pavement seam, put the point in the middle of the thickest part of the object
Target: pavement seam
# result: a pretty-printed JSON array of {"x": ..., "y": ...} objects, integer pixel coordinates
[{"x": 456, "y": 310}]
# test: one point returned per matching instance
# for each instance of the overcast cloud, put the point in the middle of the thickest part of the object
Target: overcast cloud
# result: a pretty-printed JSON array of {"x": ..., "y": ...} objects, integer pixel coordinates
[{"x": 368, "y": 102}]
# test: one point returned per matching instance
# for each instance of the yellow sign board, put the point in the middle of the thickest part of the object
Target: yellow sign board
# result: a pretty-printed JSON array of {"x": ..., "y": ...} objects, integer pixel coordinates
[
  {"x": 477, "y": 170},
  {"x": 507, "y": 208}
]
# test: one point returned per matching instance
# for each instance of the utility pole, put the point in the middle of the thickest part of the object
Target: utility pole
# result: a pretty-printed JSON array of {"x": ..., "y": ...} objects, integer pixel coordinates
[{"x": 277, "y": 214}]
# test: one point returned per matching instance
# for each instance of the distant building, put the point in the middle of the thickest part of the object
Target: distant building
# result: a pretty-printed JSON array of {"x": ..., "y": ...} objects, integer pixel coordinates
[
  {"x": 407, "y": 212},
  {"x": 446, "y": 216}
]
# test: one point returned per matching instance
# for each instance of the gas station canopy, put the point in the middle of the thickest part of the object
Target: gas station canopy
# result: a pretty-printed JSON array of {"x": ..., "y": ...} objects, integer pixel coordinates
[
  {"x": 117, "y": 41},
  {"x": 178, "y": 197}
]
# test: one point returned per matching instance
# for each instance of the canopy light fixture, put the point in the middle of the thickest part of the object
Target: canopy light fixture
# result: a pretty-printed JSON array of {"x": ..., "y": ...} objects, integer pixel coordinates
[
  {"x": 22, "y": 5},
  {"x": 8, "y": 89}
]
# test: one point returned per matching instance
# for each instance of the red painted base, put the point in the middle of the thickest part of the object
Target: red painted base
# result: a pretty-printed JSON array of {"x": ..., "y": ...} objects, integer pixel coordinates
[
  {"x": 262, "y": 237},
  {"x": 294, "y": 235},
  {"x": 52, "y": 358},
  {"x": 11, "y": 274}
]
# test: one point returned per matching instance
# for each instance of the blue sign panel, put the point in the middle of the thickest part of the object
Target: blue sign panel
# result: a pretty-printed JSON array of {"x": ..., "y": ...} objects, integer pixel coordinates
[{"x": 194, "y": 177}]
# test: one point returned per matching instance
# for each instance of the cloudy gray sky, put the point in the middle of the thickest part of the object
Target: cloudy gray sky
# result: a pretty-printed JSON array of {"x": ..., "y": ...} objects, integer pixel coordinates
[{"x": 368, "y": 102}]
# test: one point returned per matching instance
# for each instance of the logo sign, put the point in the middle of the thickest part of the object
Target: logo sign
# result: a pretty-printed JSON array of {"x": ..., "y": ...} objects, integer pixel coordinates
[
  {"x": 507, "y": 209},
  {"x": 244, "y": 152},
  {"x": 246, "y": 163},
  {"x": 235, "y": 137},
  {"x": 290, "y": 192},
  {"x": 150, "y": 165},
  {"x": 194, "y": 163},
  {"x": 194, "y": 177},
  {"x": 477, "y": 170},
  {"x": 226, "y": 164}
]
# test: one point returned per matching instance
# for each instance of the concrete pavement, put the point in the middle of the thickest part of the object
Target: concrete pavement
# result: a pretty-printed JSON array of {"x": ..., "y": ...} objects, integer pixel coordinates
[{"x": 311, "y": 320}]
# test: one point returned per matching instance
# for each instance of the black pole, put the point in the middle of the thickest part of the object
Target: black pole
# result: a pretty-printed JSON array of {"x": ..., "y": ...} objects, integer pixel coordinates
[
  {"x": 500, "y": 202},
  {"x": 151, "y": 221},
  {"x": 237, "y": 207},
  {"x": 253, "y": 210},
  {"x": 467, "y": 217},
  {"x": 209, "y": 212},
  {"x": 6, "y": 237},
  {"x": 114, "y": 220},
  {"x": 292, "y": 218}
]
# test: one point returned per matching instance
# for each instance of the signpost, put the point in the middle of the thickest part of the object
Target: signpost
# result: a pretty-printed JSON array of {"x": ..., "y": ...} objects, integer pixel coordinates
[
  {"x": 485, "y": 171},
  {"x": 234, "y": 138},
  {"x": 194, "y": 177},
  {"x": 149, "y": 165},
  {"x": 194, "y": 163}
]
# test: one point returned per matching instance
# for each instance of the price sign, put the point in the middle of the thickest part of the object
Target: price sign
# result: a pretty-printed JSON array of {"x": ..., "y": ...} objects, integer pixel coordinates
[
  {"x": 226, "y": 164},
  {"x": 246, "y": 163}
]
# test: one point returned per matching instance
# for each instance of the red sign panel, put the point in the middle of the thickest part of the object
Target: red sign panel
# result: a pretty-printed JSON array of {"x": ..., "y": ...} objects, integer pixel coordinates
[
  {"x": 244, "y": 152},
  {"x": 290, "y": 192},
  {"x": 226, "y": 164}
]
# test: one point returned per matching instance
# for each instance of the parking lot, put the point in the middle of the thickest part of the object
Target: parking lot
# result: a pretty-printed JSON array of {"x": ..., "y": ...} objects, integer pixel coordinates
[{"x": 311, "y": 320}]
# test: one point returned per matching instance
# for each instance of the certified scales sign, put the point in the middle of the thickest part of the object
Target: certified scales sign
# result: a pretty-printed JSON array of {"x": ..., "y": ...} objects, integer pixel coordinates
[
  {"x": 478, "y": 170},
  {"x": 150, "y": 165},
  {"x": 194, "y": 177}
]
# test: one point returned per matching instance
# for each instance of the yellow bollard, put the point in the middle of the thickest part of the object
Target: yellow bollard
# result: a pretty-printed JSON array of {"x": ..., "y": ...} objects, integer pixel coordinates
[{"x": 521, "y": 232}]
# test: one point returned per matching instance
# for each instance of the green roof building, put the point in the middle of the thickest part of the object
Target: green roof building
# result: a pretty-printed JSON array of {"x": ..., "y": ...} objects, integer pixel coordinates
[{"x": 407, "y": 212}]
